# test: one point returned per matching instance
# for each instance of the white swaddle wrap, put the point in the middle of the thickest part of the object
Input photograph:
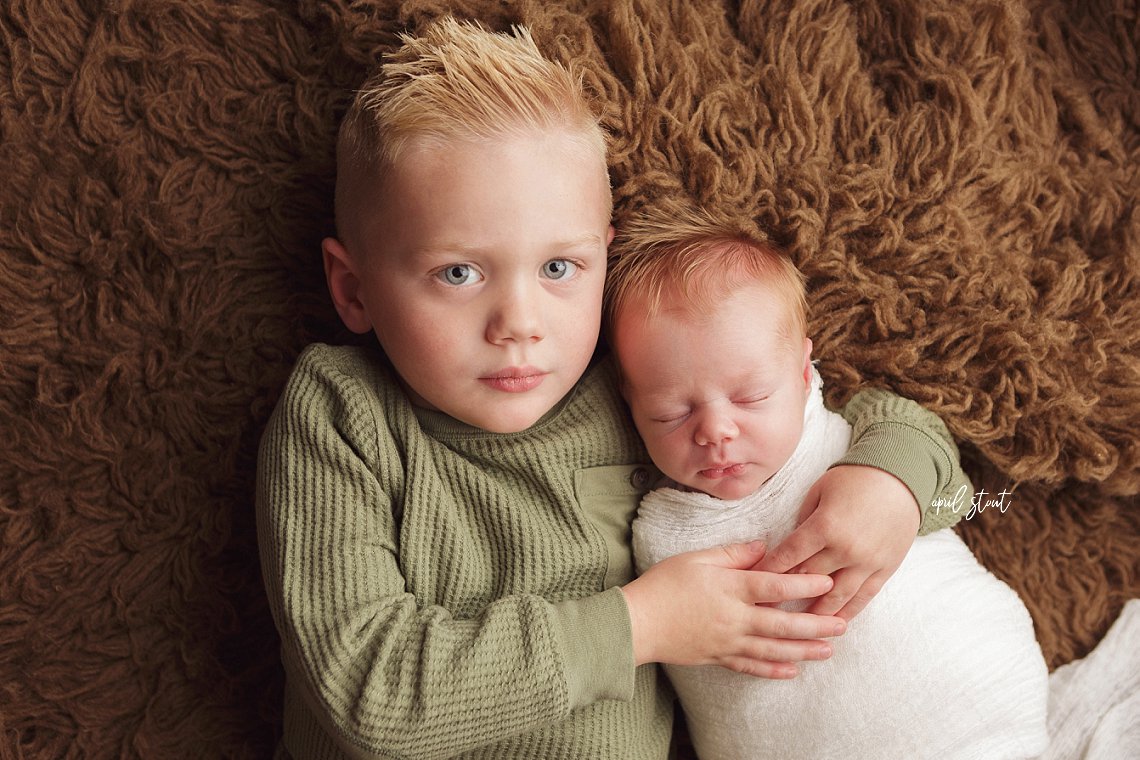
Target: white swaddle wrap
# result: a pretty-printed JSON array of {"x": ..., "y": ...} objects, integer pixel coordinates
[{"x": 943, "y": 663}]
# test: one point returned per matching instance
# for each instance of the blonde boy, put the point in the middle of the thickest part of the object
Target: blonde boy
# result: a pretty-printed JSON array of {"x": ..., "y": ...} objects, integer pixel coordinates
[
  {"x": 709, "y": 328},
  {"x": 445, "y": 524}
]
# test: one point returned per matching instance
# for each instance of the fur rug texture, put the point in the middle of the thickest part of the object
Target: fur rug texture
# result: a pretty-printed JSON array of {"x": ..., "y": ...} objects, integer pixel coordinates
[{"x": 958, "y": 179}]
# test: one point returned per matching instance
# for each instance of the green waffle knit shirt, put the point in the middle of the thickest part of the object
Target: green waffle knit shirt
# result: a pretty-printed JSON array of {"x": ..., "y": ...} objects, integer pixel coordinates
[{"x": 443, "y": 591}]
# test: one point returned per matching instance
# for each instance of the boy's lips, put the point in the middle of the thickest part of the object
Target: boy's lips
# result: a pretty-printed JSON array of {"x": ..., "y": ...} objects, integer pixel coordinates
[
  {"x": 724, "y": 471},
  {"x": 515, "y": 379}
]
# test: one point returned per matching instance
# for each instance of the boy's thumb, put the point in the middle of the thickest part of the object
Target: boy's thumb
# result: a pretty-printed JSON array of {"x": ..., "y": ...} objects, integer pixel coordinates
[{"x": 742, "y": 556}]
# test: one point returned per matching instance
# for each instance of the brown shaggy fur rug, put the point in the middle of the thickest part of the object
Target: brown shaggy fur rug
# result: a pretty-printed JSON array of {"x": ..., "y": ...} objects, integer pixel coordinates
[{"x": 958, "y": 178}]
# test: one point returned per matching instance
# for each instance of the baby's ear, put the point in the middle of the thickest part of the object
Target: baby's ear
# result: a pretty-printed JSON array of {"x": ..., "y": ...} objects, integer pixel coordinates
[
  {"x": 344, "y": 286},
  {"x": 610, "y": 236},
  {"x": 807, "y": 363}
]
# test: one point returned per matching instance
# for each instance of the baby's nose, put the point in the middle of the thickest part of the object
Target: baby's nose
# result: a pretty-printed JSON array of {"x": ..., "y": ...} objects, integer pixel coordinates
[{"x": 715, "y": 427}]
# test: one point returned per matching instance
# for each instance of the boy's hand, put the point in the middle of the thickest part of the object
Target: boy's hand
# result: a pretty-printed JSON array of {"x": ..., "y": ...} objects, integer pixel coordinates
[
  {"x": 856, "y": 525},
  {"x": 703, "y": 608}
]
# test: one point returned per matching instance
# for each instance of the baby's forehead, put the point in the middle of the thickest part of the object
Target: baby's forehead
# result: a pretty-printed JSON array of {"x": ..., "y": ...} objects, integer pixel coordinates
[{"x": 702, "y": 305}]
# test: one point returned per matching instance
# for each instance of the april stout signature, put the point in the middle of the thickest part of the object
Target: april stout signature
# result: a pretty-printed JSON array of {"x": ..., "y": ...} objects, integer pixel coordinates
[{"x": 978, "y": 503}]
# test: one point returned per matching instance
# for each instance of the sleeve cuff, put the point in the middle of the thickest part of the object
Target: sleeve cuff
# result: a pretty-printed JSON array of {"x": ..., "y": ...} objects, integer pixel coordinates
[
  {"x": 910, "y": 455},
  {"x": 596, "y": 639}
]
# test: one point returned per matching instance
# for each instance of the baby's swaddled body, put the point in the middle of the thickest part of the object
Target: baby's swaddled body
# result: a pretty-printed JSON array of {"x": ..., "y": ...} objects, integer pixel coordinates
[{"x": 943, "y": 663}]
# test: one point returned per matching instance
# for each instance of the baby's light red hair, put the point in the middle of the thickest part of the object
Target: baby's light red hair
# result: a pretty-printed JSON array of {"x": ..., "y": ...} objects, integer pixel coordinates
[{"x": 681, "y": 258}]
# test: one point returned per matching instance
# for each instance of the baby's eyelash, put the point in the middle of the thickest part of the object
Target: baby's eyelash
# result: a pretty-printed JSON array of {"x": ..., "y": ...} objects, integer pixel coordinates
[
  {"x": 753, "y": 399},
  {"x": 666, "y": 419}
]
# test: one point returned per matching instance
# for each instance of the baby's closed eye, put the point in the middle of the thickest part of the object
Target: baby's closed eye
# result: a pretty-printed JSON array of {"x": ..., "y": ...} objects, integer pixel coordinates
[{"x": 672, "y": 416}]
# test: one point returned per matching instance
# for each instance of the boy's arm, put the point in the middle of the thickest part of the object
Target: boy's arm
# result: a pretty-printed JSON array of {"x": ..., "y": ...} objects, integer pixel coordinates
[
  {"x": 385, "y": 674},
  {"x": 858, "y": 521},
  {"x": 899, "y": 436}
]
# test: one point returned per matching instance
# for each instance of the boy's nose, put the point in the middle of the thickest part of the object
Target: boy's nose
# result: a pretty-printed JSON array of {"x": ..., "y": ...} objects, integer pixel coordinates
[
  {"x": 517, "y": 318},
  {"x": 714, "y": 427}
]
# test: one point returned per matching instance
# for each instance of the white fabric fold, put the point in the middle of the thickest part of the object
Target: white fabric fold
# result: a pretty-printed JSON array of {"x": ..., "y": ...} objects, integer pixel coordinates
[{"x": 1094, "y": 702}]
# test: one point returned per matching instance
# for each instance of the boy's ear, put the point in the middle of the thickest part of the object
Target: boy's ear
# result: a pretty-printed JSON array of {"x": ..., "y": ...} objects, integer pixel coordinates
[
  {"x": 610, "y": 236},
  {"x": 344, "y": 286}
]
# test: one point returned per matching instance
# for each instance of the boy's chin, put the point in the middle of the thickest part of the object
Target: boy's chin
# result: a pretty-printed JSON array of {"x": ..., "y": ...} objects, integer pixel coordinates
[
  {"x": 506, "y": 421},
  {"x": 509, "y": 427}
]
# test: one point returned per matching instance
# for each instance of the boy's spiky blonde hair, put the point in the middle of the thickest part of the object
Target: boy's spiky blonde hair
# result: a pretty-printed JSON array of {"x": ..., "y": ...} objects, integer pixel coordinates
[
  {"x": 458, "y": 81},
  {"x": 677, "y": 257}
]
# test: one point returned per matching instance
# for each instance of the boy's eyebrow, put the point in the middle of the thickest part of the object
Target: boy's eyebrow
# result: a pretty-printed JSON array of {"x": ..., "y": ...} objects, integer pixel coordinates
[{"x": 589, "y": 239}]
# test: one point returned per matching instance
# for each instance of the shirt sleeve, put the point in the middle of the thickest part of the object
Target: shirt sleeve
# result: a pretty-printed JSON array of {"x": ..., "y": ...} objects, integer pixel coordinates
[
  {"x": 384, "y": 674},
  {"x": 899, "y": 436}
]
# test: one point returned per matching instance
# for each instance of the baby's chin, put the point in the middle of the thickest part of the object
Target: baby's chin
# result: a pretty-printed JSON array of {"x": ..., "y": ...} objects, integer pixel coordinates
[{"x": 729, "y": 487}]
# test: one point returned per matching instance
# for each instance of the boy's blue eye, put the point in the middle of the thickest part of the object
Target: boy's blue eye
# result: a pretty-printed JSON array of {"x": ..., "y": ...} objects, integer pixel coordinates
[
  {"x": 557, "y": 269},
  {"x": 459, "y": 274}
]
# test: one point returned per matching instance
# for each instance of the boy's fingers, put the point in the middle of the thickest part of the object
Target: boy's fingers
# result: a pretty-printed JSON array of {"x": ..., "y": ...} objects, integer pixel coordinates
[
  {"x": 852, "y": 592},
  {"x": 738, "y": 556},
  {"x": 786, "y": 650},
  {"x": 770, "y": 587},
  {"x": 863, "y": 596},
  {"x": 847, "y": 582},
  {"x": 780, "y": 625},
  {"x": 761, "y": 668},
  {"x": 776, "y": 658},
  {"x": 803, "y": 543},
  {"x": 826, "y": 562}
]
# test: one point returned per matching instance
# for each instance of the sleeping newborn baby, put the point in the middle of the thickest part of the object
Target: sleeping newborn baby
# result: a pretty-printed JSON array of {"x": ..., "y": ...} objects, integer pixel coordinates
[{"x": 716, "y": 367}]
